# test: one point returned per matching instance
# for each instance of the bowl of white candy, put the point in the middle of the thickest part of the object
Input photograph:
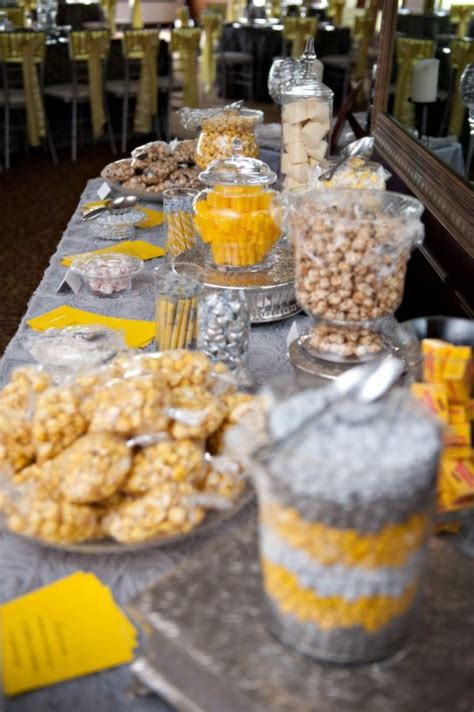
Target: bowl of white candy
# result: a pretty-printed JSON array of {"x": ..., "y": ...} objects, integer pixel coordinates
[{"x": 107, "y": 275}]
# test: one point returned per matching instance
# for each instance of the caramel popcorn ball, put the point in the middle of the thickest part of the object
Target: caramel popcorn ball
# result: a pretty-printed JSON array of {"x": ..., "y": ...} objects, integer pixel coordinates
[
  {"x": 165, "y": 511},
  {"x": 40, "y": 515},
  {"x": 93, "y": 467},
  {"x": 128, "y": 406},
  {"x": 218, "y": 133},
  {"x": 169, "y": 461},
  {"x": 57, "y": 421},
  {"x": 23, "y": 387},
  {"x": 225, "y": 484},
  {"x": 195, "y": 412},
  {"x": 16, "y": 448}
]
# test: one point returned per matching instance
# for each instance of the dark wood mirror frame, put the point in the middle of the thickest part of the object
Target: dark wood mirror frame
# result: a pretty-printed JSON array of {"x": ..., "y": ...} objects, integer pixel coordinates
[{"x": 446, "y": 195}]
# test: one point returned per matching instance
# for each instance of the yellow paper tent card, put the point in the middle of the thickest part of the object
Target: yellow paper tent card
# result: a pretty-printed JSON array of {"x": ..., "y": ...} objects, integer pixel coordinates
[
  {"x": 137, "y": 333},
  {"x": 70, "y": 628}
]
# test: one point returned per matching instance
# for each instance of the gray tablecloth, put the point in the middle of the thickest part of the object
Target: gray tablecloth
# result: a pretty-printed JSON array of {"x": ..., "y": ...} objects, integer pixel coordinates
[{"x": 25, "y": 566}]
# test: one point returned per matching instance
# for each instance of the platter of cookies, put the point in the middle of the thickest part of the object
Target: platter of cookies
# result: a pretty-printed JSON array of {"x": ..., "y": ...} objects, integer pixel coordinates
[{"x": 154, "y": 167}]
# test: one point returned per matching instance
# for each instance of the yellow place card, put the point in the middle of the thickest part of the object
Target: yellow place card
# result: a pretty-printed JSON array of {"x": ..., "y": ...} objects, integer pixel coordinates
[
  {"x": 153, "y": 218},
  {"x": 136, "y": 248},
  {"x": 136, "y": 333},
  {"x": 70, "y": 628}
]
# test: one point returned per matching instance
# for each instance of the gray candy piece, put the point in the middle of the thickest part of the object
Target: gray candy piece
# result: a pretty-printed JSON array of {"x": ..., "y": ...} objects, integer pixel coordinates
[{"x": 223, "y": 327}]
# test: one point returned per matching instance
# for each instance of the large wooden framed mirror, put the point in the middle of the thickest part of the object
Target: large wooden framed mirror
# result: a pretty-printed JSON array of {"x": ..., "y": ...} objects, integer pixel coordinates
[{"x": 401, "y": 129}]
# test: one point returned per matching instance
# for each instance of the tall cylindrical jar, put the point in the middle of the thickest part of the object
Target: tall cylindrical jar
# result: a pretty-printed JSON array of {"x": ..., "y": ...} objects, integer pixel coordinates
[
  {"x": 306, "y": 123},
  {"x": 345, "y": 517}
]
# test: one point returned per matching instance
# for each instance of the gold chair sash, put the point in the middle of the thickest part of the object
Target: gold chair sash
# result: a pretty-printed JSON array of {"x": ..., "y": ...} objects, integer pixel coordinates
[
  {"x": 462, "y": 53},
  {"x": 185, "y": 41},
  {"x": 92, "y": 47},
  {"x": 461, "y": 14},
  {"x": 212, "y": 25},
  {"x": 408, "y": 51},
  {"x": 235, "y": 10},
  {"x": 297, "y": 30},
  {"x": 28, "y": 50},
  {"x": 16, "y": 15},
  {"x": 110, "y": 9},
  {"x": 182, "y": 14},
  {"x": 136, "y": 11},
  {"x": 143, "y": 45},
  {"x": 335, "y": 10}
]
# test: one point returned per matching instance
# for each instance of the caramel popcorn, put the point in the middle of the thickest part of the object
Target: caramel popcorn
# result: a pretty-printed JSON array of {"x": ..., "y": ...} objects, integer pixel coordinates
[
  {"x": 218, "y": 133},
  {"x": 93, "y": 468},
  {"x": 195, "y": 412},
  {"x": 168, "y": 461},
  {"x": 57, "y": 421},
  {"x": 25, "y": 384},
  {"x": 16, "y": 448},
  {"x": 160, "y": 512},
  {"x": 226, "y": 484}
]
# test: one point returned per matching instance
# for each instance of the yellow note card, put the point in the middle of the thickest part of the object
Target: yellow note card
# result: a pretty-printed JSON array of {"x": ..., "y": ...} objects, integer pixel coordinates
[
  {"x": 69, "y": 628},
  {"x": 136, "y": 248},
  {"x": 136, "y": 333},
  {"x": 152, "y": 218}
]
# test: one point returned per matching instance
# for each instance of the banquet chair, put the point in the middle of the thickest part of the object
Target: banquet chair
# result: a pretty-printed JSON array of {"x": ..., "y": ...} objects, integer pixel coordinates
[
  {"x": 335, "y": 10},
  {"x": 462, "y": 53},
  {"x": 408, "y": 52},
  {"x": 237, "y": 69},
  {"x": 185, "y": 43},
  {"x": 16, "y": 15},
  {"x": 140, "y": 54},
  {"x": 22, "y": 56},
  {"x": 110, "y": 11},
  {"x": 88, "y": 52},
  {"x": 297, "y": 30},
  {"x": 461, "y": 16},
  {"x": 211, "y": 22},
  {"x": 364, "y": 29}
]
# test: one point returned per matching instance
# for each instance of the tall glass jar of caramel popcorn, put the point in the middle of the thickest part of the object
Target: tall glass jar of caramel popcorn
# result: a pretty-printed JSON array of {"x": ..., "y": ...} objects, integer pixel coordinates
[
  {"x": 305, "y": 122},
  {"x": 233, "y": 216},
  {"x": 351, "y": 254}
]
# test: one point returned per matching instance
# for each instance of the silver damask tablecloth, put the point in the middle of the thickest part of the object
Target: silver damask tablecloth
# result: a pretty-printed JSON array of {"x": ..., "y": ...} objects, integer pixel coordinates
[{"x": 25, "y": 566}]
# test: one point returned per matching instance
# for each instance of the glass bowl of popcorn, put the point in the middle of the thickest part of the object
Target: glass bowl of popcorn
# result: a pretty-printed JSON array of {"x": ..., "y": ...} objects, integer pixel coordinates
[
  {"x": 107, "y": 275},
  {"x": 354, "y": 174}
]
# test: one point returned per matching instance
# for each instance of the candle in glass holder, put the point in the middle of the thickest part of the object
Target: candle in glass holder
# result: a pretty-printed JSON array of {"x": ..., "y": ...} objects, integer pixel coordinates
[{"x": 424, "y": 83}]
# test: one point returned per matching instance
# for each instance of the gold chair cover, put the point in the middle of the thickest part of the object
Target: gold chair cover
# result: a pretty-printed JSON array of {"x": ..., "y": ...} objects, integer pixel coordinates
[
  {"x": 364, "y": 28},
  {"x": 408, "y": 52},
  {"x": 182, "y": 14},
  {"x": 212, "y": 25},
  {"x": 28, "y": 49},
  {"x": 462, "y": 53},
  {"x": 110, "y": 8},
  {"x": 335, "y": 10},
  {"x": 143, "y": 45},
  {"x": 92, "y": 46},
  {"x": 297, "y": 30},
  {"x": 16, "y": 15},
  {"x": 185, "y": 41},
  {"x": 136, "y": 12},
  {"x": 461, "y": 14},
  {"x": 235, "y": 10}
]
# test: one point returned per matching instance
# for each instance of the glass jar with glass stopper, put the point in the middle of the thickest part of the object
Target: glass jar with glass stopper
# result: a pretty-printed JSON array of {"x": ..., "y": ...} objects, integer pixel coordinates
[{"x": 306, "y": 122}]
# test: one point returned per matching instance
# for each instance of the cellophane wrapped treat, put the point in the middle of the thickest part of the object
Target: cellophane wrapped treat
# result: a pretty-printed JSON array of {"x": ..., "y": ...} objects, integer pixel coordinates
[
  {"x": 345, "y": 504},
  {"x": 354, "y": 174},
  {"x": 133, "y": 450}
]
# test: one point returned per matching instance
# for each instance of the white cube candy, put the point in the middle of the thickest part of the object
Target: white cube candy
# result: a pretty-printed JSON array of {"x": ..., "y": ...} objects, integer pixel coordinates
[
  {"x": 312, "y": 134},
  {"x": 292, "y": 184},
  {"x": 295, "y": 112},
  {"x": 291, "y": 132},
  {"x": 320, "y": 152},
  {"x": 297, "y": 153},
  {"x": 299, "y": 172},
  {"x": 317, "y": 110},
  {"x": 285, "y": 163}
]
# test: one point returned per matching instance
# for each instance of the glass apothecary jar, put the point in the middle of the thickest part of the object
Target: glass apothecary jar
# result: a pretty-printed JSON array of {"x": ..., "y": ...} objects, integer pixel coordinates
[
  {"x": 342, "y": 580},
  {"x": 219, "y": 131},
  {"x": 351, "y": 254},
  {"x": 233, "y": 215},
  {"x": 305, "y": 121}
]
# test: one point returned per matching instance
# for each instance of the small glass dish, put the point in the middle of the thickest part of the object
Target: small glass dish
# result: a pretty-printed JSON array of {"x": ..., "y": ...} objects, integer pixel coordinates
[
  {"x": 116, "y": 225},
  {"x": 107, "y": 275}
]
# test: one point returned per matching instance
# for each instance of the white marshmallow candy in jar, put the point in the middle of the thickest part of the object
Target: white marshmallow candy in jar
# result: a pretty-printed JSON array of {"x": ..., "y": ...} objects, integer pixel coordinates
[{"x": 305, "y": 122}]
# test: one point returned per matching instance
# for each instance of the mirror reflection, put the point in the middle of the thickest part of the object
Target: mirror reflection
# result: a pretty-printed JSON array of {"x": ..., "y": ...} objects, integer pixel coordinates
[{"x": 432, "y": 79}]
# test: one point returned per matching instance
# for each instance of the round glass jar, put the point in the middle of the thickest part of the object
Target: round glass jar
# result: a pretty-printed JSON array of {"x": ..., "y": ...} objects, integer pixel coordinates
[
  {"x": 219, "y": 131},
  {"x": 351, "y": 253},
  {"x": 233, "y": 216},
  {"x": 305, "y": 123},
  {"x": 345, "y": 511}
]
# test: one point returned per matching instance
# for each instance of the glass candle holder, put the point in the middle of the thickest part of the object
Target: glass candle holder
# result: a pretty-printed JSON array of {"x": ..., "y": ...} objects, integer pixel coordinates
[
  {"x": 179, "y": 223},
  {"x": 176, "y": 298}
]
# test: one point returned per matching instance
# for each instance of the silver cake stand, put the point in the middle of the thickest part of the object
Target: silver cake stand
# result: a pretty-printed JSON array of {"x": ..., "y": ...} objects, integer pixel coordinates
[{"x": 270, "y": 292}]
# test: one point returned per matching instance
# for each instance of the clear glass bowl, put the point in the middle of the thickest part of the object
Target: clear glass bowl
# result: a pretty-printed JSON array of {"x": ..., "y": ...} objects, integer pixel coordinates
[
  {"x": 107, "y": 275},
  {"x": 116, "y": 225}
]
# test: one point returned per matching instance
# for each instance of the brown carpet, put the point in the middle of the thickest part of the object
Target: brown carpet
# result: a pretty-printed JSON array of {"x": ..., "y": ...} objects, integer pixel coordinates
[{"x": 37, "y": 199}]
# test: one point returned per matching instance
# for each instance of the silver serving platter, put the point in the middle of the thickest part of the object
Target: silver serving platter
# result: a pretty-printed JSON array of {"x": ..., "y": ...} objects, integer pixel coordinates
[
  {"x": 213, "y": 519},
  {"x": 270, "y": 292}
]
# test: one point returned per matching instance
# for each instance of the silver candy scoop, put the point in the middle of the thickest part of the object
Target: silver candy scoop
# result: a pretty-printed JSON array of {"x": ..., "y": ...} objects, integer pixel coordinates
[
  {"x": 362, "y": 148},
  {"x": 117, "y": 205}
]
